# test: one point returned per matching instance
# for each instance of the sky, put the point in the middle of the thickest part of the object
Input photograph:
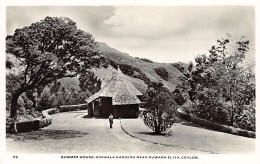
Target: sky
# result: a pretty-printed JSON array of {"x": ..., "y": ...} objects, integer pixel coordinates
[{"x": 161, "y": 33}]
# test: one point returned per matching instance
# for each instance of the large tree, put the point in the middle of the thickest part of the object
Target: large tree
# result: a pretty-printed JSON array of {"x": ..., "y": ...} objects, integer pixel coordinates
[
  {"x": 49, "y": 50},
  {"x": 160, "y": 107}
]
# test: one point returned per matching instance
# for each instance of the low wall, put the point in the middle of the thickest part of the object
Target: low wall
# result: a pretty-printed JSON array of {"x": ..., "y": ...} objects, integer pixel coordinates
[
  {"x": 26, "y": 126},
  {"x": 48, "y": 112},
  {"x": 215, "y": 126},
  {"x": 67, "y": 108},
  {"x": 36, "y": 124},
  {"x": 46, "y": 120}
]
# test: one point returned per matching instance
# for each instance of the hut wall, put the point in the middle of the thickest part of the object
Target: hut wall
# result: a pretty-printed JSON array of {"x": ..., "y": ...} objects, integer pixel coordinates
[
  {"x": 126, "y": 111},
  {"x": 90, "y": 110},
  {"x": 96, "y": 108},
  {"x": 105, "y": 106}
]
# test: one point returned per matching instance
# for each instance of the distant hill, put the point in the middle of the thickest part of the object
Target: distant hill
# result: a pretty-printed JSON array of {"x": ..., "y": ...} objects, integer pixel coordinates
[
  {"x": 137, "y": 70},
  {"x": 152, "y": 70}
]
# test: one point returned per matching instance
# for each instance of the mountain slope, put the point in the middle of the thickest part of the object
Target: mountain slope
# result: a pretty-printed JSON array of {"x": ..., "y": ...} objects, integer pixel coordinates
[
  {"x": 142, "y": 69},
  {"x": 148, "y": 68}
]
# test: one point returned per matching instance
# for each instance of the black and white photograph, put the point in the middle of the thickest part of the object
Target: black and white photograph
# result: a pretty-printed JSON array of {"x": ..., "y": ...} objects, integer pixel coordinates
[{"x": 129, "y": 81}]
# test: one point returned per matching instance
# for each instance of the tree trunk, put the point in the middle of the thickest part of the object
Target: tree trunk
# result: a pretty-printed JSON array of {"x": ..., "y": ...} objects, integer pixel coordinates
[
  {"x": 232, "y": 109},
  {"x": 13, "y": 112},
  {"x": 157, "y": 127},
  {"x": 232, "y": 118},
  {"x": 14, "y": 102}
]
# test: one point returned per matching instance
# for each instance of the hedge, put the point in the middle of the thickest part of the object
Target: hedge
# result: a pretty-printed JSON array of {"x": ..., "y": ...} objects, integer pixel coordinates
[
  {"x": 66, "y": 108},
  {"x": 215, "y": 126}
]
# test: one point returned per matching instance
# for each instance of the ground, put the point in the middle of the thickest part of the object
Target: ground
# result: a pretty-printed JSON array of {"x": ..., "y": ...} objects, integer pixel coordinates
[
  {"x": 70, "y": 133},
  {"x": 194, "y": 138}
]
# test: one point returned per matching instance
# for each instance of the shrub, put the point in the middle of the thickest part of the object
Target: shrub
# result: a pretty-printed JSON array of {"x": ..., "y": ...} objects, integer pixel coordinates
[
  {"x": 179, "y": 67},
  {"x": 162, "y": 73},
  {"x": 67, "y": 108},
  {"x": 215, "y": 126},
  {"x": 10, "y": 125}
]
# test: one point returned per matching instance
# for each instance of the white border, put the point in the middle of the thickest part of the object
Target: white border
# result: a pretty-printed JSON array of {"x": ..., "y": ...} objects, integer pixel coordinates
[
  {"x": 127, "y": 2},
  {"x": 54, "y": 158}
]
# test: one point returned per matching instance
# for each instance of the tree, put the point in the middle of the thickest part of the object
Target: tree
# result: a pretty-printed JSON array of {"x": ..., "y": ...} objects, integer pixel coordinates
[
  {"x": 45, "y": 100},
  {"x": 89, "y": 82},
  {"x": 160, "y": 108},
  {"x": 218, "y": 85},
  {"x": 162, "y": 73},
  {"x": 49, "y": 50}
]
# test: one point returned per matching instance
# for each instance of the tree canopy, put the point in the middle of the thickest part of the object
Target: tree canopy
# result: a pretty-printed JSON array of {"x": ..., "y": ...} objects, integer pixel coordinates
[
  {"x": 49, "y": 50},
  {"x": 88, "y": 82},
  {"x": 160, "y": 106},
  {"x": 219, "y": 87}
]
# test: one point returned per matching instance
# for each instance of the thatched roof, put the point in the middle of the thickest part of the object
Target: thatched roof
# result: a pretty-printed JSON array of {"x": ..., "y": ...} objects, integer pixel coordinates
[{"x": 119, "y": 89}]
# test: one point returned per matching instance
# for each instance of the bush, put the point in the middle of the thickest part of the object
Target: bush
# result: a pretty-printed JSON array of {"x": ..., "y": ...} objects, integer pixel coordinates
[
  {"x": 215, "y": 126},
  {"x": 162, "y": 73},
  {"x": 10, "y": 125},
  {"x": 67, "y": 108},
  {"x": 245, "y": 120},
  {"x": 179, "y": 67}
]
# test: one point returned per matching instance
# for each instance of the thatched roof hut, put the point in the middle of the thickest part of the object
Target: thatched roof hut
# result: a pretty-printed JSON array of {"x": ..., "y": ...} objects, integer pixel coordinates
[{"x": 118, "y": 96}]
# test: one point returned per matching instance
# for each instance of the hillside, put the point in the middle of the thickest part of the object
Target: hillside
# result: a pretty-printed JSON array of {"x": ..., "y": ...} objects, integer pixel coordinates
[
  {"x": 137, "y": 70},
  {"x": 147, "y": 67}
]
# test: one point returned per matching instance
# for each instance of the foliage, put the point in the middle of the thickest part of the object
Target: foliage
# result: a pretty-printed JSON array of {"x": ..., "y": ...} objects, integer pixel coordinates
[
  {"x": 49, "y": 50},
  {"x": 26, "y": 102},
  {"x": 9, "y": 64},
  {"x": 219, "y": 87},
  {"x": 179, "y": 66},
  {"x": 212, "y": 125},
  {"x": 9, "y": 124},
  {"x": 88, "y": 81},
  {"x": 32, "y": 102},
  {"x": 12, "y": 83},
  {"x": 178, "y": 97},
  {"x": 56, "y": 95},
  {"x": 162, "y": 73},
  {"x": 46, "y": 99},
  {"x": 160, "y": 108}
]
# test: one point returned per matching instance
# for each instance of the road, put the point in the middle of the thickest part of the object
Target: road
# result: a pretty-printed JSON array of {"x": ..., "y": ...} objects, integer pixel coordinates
[{"x": 70, "y": 133}]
